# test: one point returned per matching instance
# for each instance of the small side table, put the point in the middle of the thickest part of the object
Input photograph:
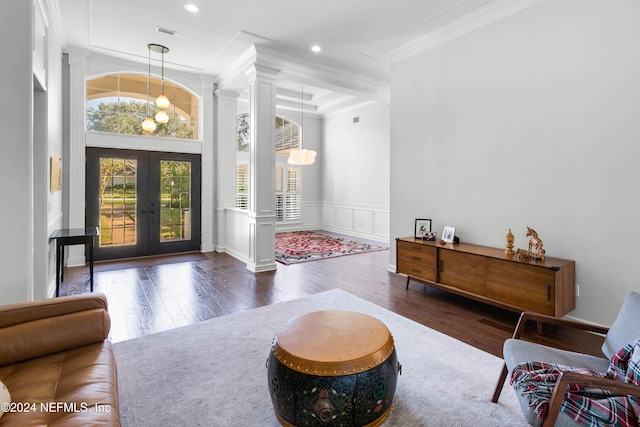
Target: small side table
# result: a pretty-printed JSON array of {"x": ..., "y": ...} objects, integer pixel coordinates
[{"x": 73, "y": 236}]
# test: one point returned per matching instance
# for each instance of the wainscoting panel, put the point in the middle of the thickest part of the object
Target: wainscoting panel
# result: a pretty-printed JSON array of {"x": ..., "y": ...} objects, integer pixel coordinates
[
  {"x": 382, "y": 223},
  {"x": 363, "y": 221},
  {"x": 237, "y": 234},
  {"x": 370, "y": 222},
  {"x": 344, "y": 218},
  {"x": 311, "y": 215}
]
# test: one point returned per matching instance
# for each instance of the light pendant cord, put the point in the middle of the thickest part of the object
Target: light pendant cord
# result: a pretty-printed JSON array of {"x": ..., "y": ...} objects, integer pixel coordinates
[
  {"x": 162, "y": 89},
  {"x": 148, "y": 80}
]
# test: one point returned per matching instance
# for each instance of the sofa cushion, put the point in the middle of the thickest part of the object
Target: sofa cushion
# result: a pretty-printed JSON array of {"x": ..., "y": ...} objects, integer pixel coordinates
[
  {"x": 5, "y": 398},
  {"x": 77, "y": 387},
  {"x": 518, "y": 351}
]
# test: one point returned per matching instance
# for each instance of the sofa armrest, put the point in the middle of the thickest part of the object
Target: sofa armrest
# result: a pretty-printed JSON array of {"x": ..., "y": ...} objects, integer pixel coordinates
[
  {"x": 542, "y": 318},
  {"x": 566, "y": 378},
  {"x": 37, "y": 328}
]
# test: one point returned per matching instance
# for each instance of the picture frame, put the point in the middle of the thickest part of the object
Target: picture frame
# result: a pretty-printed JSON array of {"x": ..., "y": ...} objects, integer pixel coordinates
[
  {"x": 448, "y": 234},
  {"x": 430, "y": 236},
  {"x": 55, "y": 177},
  {"x": 422, "y": 227}
]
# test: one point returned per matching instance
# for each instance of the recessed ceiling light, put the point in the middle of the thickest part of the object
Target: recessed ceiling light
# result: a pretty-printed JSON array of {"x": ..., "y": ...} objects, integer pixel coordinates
[
  {"x": 192, "y": 8},
  {"x": 315, "y": 48}
]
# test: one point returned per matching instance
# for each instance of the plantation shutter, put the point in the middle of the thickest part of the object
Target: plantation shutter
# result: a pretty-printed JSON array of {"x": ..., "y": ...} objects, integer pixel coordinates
[
  {"x": 242, "y": 186},
  {"x": 288, "y": 198},
  {"x": 293, "y": 194},
  {"x": 279, "y": 193}
]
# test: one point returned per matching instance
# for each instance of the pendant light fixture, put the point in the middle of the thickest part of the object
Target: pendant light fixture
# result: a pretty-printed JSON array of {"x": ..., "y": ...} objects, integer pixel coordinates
[
  {"x": 148, "y": 125},
  {"x": 162, "y": 101},
  {"x": 301, "y": 157}
]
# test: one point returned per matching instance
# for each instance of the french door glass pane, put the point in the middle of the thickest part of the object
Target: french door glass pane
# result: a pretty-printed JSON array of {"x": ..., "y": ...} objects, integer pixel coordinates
[
  {"x": 118, "y": 201},
  {"x": 175, "y": 200}
]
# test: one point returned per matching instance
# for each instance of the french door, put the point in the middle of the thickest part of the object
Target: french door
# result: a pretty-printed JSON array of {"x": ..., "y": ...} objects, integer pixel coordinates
[{"x": 144, "y": 202}]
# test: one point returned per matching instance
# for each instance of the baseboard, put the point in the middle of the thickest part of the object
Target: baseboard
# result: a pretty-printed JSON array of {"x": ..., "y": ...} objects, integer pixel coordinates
[
  {"x": 254, "y": 268},
  {"x": 352, "y": 233},
  {"x": 51, "y": 288},
  {"x": 76, "y": 261},
  {"x": 207, "y": 248}
]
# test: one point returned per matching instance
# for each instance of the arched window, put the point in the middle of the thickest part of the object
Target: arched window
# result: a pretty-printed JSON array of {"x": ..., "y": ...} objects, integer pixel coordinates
[
  {"x": 288, "y": 191},
  {"x": 117, "y": 103}
]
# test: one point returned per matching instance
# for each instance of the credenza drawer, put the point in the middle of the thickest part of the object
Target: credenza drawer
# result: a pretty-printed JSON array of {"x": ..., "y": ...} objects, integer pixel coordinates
[
  {"x": 416, "y": 247},
  {"x": 419, "y": 271},
  {"x": 417, "y": 260}
]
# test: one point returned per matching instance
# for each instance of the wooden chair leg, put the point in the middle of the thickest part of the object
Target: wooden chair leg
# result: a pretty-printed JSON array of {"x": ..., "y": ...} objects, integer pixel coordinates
[
  {"x": 500, "y": 384},
  {"x": 540, "y": 333}
]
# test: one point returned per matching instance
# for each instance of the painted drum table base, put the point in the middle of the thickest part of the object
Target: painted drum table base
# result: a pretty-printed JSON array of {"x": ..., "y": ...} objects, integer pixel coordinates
[{"x": 333, "y": 368}]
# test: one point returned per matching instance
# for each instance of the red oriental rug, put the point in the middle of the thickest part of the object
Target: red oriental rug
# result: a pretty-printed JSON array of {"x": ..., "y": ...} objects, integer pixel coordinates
[{"x": 301, "y": 246}]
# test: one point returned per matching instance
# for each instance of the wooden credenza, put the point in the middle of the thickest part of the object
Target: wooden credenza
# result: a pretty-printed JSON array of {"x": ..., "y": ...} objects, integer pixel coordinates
[{"x": 488, "y": 275}]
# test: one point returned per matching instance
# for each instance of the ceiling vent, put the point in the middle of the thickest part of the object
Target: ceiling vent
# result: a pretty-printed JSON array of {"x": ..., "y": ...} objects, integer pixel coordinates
[{"x": 166, "y": 31}]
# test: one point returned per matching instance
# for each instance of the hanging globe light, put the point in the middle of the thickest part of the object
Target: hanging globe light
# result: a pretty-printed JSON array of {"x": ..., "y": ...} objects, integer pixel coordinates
[
  {"x": 162, "y": 101},
  {"x": 149, "y": 125},
  {"x": 162, "y": 117}
]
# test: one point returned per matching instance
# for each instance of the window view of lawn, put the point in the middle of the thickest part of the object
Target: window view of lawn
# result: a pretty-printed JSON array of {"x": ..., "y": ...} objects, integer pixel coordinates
[
  {"x": 175, "y": 200},
  {"x": 119, "y": 202}
]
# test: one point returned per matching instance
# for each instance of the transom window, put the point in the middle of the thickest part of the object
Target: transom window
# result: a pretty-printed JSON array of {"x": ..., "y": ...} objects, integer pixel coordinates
[{"x": 117, "y": 103}]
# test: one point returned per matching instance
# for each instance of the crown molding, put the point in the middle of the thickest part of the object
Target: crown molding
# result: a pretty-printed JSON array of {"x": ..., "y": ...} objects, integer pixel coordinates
[
  {"x": 298, "y": 67},
  {"x": 302, "y": 68},
  {"x": 479, "y": 18}
]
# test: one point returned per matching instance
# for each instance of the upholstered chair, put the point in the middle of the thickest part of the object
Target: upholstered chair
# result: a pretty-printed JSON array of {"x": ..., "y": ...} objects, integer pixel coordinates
[{"x": 624, "y": 330}]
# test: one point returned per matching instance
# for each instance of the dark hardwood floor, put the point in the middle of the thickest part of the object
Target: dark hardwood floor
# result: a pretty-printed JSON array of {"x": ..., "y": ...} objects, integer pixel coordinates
[{"x": 154, "y": 294}]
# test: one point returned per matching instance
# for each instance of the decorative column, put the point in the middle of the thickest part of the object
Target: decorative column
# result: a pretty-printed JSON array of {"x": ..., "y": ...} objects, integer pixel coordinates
[
  {"x": 208, "y": 232},
  {"x": 74, "y": 182},
  {"x": 262, "y": 218},
  {"x": 226, "y": 162}
]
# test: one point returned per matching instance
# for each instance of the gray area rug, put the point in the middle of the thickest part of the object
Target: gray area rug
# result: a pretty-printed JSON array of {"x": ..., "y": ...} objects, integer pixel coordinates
[{"x": 213, "y": 373}]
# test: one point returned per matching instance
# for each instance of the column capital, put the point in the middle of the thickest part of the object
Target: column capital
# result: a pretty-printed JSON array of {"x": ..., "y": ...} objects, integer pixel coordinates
[
  {"x": 208, "y": 84},
  {"x": 262, "y": 71},
  {"x": 226, "y": 94},
  {"x": 77, "y": 57}
]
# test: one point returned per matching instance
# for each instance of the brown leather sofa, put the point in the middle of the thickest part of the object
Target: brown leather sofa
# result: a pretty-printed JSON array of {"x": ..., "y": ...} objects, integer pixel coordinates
[{"x": 57, "y": 363}]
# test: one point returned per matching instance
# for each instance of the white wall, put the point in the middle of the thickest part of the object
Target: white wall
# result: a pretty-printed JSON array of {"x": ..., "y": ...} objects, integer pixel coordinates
[
  {"x": 531, "y": 121},
  {"x": 16, "y": 252},
  {"x": 32, "y": 126},
  {"x": 355, "y": 171},
  {"x": 54, "y": 144}
]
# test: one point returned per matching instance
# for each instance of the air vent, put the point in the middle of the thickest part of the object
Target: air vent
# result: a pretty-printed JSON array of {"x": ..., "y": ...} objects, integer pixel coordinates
[{"x": 166, "y": 31}]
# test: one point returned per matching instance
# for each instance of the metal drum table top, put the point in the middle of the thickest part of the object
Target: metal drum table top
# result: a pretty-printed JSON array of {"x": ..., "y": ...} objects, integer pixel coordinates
[{"x": 329, "y": 343}]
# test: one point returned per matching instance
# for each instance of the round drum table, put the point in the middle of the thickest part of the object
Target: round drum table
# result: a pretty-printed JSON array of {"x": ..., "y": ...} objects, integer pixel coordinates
[{"x": 333, "y": 368}]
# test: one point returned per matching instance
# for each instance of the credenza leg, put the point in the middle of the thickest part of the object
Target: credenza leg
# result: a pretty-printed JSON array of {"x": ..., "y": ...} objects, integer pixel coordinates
[{"x": 407, "y": 286}]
